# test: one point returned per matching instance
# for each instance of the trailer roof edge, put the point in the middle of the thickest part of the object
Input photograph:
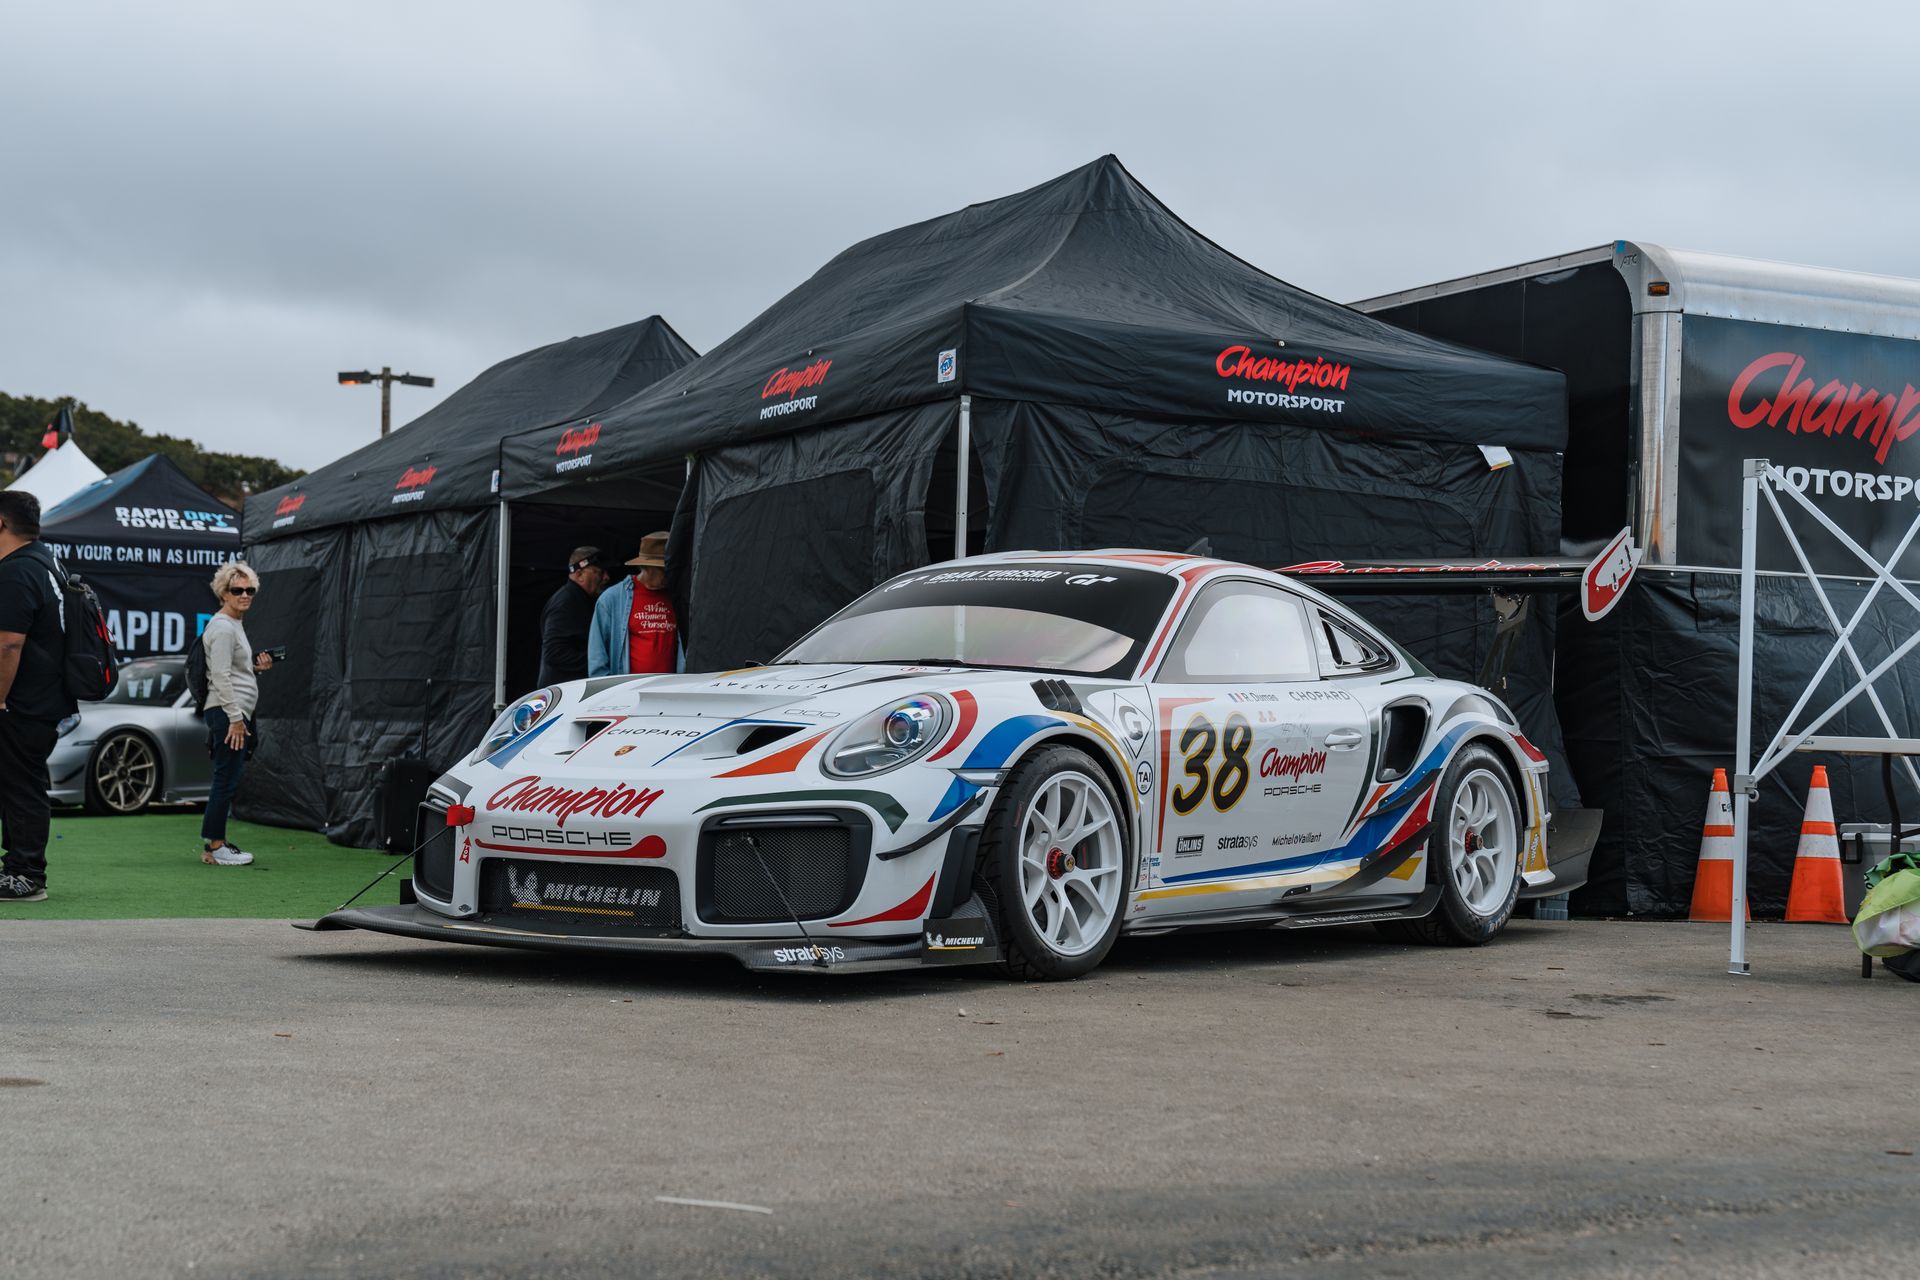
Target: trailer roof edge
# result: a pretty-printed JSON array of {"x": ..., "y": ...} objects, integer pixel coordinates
[{"x": 1720, "y": 285}]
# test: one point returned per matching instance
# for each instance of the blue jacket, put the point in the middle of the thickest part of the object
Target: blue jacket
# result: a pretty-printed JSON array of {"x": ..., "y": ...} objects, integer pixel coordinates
[{"x": 607, "y": 652}]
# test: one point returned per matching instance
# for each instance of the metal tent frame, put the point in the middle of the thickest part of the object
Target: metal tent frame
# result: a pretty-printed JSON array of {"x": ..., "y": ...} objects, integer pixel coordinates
[{"x": 1763, "y": 481}]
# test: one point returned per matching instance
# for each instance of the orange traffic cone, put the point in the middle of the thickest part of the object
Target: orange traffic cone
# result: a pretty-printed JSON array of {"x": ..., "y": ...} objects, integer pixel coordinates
[
  {"x": 1713, "y": 879},
  {"x": 1816, "y": 897}
]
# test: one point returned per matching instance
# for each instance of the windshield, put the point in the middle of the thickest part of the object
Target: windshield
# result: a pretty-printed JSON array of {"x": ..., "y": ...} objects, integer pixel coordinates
[
  {"x": 1031, "y": 617},
  {"x": 150, "y": 682}
]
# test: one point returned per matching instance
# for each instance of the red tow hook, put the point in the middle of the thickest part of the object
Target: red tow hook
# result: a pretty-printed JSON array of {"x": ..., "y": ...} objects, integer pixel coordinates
[{"x": 459, "y": 815}]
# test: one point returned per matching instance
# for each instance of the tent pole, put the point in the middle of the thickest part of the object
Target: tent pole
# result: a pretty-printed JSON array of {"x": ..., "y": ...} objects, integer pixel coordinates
[
  {"x": 504, "y": 539},
  {"x": 963, "y": 461},
  {"x": 1743, "y": 719}
]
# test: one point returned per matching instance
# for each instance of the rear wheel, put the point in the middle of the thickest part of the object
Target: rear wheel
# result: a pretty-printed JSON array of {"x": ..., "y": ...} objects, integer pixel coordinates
[
  {"x": 123, "y": 776},
  {"x": 1475, "y": 851},
  {"x": 1054, "y": 852}
]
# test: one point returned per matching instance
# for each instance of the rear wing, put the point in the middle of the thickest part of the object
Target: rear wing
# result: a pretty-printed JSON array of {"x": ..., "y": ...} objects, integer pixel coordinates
[{"x": 1599, "y": 582}]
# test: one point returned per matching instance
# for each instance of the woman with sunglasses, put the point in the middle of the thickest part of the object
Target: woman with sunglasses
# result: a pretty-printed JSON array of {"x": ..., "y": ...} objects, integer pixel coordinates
[{"x": 232, "y": 693}]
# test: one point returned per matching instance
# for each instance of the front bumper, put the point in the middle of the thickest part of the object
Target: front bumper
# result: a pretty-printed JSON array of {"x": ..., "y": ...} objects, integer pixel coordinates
[
  {"x": 67, "y": 769},
  {"x": 765, "y": 955}
]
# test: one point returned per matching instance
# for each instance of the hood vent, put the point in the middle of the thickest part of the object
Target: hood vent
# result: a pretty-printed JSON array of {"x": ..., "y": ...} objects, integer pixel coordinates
[{"x": 764, "y": 735}]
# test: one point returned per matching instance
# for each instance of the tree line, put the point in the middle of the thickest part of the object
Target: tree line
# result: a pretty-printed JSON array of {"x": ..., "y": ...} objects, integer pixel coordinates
[{"x": 113, "y": 444}]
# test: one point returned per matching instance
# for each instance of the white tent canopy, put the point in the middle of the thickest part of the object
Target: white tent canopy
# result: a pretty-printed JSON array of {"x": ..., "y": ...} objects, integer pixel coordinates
[{"x": 59, "y": 475}]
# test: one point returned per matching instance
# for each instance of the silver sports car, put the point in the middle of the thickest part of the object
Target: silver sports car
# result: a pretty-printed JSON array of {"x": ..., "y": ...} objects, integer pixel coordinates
[{"x": 140, "y": 745}]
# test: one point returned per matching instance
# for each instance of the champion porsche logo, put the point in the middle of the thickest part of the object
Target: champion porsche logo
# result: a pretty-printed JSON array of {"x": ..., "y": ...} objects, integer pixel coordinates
[
  {"x": 790, "y": 383},
  {"x": 620, "y": 751},
  {"x": 530, "y": 795},
  {"x": 412, "y": 484},
  {"x": 573, "y": 451},
  {"x": 290, "y": 504}
]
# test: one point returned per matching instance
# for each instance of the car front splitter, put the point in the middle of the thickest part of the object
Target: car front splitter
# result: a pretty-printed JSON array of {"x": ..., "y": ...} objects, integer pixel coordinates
[{"x": 762, "y": 955}]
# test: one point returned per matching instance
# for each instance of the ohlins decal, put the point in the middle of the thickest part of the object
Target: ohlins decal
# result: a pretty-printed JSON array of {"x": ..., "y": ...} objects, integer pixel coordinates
[{"x": 529, "y": 795}]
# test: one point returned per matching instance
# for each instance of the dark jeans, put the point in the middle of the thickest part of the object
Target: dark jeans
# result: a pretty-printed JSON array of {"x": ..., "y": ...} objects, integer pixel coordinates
[
  {"x": 227, "y": 766},
  {"x": 25, "y": 811}
]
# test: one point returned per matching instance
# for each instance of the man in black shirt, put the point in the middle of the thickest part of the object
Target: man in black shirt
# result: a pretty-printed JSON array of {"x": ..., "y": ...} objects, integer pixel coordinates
[
  {"x": 33, "y": 696},
  {"x": 568, "y": 617}
]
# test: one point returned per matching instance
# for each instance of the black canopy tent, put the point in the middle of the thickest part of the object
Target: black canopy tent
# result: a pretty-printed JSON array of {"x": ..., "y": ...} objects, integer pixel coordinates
[
  {"x": 1072, "y": 366},
  {"x": 148, "y": 538},
  {"x": 408, "y": 591}
]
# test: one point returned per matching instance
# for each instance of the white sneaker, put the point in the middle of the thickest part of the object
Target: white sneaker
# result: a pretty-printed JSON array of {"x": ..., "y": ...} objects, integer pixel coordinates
[{"x": 225, "y": 856}]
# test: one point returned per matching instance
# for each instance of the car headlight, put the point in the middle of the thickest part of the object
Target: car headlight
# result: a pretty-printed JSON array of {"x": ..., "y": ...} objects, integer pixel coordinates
[
  {"x": 68, "y": 725},
  {"x": 516, "y": 721},
  {"x": 887, "y": 738}
]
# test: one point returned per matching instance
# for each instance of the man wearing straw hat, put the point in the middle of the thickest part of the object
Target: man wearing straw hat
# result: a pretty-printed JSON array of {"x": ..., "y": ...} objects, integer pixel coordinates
[{"x": 635, "y": 629}]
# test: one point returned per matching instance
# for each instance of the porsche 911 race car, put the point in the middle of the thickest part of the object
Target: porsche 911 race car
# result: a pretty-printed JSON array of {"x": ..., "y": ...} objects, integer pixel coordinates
[{"x": 1011, "y": 760}]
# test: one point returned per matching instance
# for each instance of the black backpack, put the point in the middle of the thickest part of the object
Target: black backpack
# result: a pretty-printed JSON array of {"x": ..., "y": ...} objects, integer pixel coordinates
[
  {"x": 197, "y": 673},
  {"x": 92, "y": 666}
]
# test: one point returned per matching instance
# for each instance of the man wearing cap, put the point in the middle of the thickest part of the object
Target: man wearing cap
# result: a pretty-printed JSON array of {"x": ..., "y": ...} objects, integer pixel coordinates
[
  {"x": 568, "y": 617},
  {"x": 635, "y": 631}
]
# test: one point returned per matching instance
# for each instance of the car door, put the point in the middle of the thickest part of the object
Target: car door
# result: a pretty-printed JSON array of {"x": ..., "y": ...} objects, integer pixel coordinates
[
  {"x": 189, "y": 764},
  {"x": 1262, "y": 760}
]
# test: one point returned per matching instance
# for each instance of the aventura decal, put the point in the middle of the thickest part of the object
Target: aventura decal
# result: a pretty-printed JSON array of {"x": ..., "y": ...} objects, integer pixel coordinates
[
  {"x": 412, "y": 484},
  {"x": 790, "y": 383},
  {"x": 573, "y": 451},
  {"x": 1317, "y": 375},
  {"x": 174, "y": 518},
  {"x": 286, "y": 510}
]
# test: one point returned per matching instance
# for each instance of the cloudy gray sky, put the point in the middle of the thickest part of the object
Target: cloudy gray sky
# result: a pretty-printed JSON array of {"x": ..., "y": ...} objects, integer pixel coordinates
[{"x": 210, "y": 208}]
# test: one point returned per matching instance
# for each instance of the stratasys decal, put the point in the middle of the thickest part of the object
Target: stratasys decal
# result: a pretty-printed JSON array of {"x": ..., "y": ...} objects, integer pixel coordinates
[{"x": 879, "y": 801}]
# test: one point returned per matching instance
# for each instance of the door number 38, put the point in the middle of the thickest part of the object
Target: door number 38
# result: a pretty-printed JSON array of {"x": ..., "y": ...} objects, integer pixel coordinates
[{"x": 1225, "y": 782}]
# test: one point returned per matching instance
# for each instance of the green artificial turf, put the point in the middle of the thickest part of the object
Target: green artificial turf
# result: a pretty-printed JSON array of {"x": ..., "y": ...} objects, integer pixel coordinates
[{"x": 149, "y": 866}]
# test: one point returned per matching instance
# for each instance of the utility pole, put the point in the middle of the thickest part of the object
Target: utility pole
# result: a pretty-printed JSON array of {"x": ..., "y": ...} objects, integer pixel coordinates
[{"x": 386, "y": 378}]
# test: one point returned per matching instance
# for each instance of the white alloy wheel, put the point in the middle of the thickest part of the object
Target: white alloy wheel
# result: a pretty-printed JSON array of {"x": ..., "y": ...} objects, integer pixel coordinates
[
  {"x": 1072, "y": 860},
  {"x": 1483, "y": 841}
]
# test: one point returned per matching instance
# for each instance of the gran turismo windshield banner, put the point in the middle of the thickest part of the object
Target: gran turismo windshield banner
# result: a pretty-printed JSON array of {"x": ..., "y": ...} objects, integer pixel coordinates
[
  {"x": 1836, "y": 412},
  {"x": 1128, "y": 601}
]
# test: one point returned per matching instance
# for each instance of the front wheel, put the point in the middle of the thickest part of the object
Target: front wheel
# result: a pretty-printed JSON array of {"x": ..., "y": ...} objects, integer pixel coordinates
[
  {"x": 1475, "y": 851},
  {"x": 1054, "y": 852},
  {"x": 123, "y": 776}
]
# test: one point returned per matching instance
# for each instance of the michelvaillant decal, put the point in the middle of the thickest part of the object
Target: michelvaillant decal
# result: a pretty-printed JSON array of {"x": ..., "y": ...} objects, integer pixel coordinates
[{"x": 1834, "y": 411}]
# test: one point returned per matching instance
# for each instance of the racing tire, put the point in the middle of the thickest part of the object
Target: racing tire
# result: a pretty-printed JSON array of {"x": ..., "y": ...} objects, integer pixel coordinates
[
  {"x": 1478, "y": 831},
  {"x": 1055, "y": 854},
  {"x": 123, "y": 775}
]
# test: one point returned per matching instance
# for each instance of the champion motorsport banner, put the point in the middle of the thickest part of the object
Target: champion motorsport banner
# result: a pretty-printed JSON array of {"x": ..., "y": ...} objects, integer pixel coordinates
[{"x": 1834, "y": 411}]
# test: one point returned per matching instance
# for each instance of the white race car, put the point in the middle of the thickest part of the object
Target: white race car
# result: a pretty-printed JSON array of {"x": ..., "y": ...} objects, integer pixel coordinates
[{"x": 1010, "y": 759}]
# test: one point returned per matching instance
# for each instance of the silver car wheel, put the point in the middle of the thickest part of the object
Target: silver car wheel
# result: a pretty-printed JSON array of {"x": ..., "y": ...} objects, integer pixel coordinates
[
  {"x": 125, "y": 772},
  {"x": 1071, "y": 860},
  {"x": 1483, "y": 841}
]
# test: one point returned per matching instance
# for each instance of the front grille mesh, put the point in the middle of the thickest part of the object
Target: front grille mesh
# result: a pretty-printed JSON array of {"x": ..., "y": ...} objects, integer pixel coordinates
[
  {"x": 644, "y": 897},
  {"x": 809, "y": 867}
]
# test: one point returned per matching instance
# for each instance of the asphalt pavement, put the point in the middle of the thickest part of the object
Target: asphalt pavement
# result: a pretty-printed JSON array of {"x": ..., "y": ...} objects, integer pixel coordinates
[{"x": 236, "y": 1098}]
